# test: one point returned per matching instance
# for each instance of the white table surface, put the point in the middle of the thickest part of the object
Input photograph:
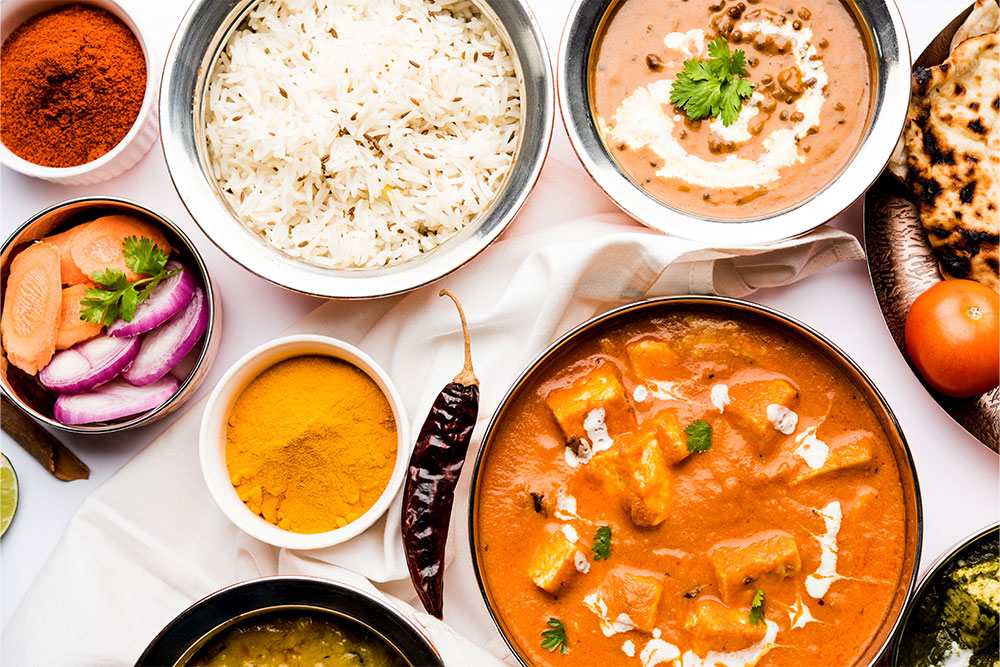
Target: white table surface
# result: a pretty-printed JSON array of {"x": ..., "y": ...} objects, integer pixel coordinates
[{"x": 959, "y": 477}]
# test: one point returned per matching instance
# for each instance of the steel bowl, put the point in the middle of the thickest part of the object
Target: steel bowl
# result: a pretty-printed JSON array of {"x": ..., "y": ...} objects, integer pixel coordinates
[
  {"x": 990, "y": 533},
  {"x": 203, "y": 34},
  {"x": 889, "y": 55},
  {"x": 25, "y": 392},
  {"x": 181, "y": 639},
  {"x": 734, "y": 309}
]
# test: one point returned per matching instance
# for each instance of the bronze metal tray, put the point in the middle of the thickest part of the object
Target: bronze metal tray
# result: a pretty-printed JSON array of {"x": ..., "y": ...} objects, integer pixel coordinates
[{"x": 902, "y": 266}]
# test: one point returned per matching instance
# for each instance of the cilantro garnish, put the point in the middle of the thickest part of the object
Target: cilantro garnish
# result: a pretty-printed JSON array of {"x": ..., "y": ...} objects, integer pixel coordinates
[
  {"x": 713, "y": 87},
  {"x": 756, "y": 616},
  {"x": 555, "y": 637},
  {"x": 699, "y": 436},
  {"x": 602, "y": 543},
  {"x": 117, "y": 297}
]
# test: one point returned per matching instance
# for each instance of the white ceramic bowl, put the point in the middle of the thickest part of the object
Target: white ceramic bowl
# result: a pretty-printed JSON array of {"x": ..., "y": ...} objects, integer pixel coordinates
[
  {"x": 212, "y": 439},
  {"x": 132, "y": 147}
]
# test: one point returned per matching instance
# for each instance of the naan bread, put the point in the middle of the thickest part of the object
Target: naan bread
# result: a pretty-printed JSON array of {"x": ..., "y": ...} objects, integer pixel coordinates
[
  {"x": 985, "y": 17},
  {"x": 953, "y": 157}
]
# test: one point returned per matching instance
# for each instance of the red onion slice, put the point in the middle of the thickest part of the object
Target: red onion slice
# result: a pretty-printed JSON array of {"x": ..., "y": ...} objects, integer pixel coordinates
[
  {"x": 163, "y": 347},
  {"x": 114, "y": 400},
  {"x": 89, "y": 364},
  {"x": 164, "y": 302}
]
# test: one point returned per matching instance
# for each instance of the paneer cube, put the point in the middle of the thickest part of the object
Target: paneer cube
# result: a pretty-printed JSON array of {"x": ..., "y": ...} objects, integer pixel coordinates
[
  {"x": 748, "y": 403},
  {"x": 552, "y": 565},
  {"x": 853, "y": 454},
  {"x": 646, "y": 477},
  {"x": 667, "y": 429},
  {"x": 739, "y": 569},
  {"x": 598, "y": 389},
  {"x": 653, "y": 359},
  {"x": 718, "y": 627},
  {"x": 635, "y": 472},
  {"x": 634, "y": 594}
]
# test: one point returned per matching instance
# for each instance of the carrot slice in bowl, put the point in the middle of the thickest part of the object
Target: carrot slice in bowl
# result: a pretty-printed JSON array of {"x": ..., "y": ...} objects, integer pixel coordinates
[
  {"x": 71, "y": 273},
  {"x": 98, "y": 245},
  {"x": 72, "y": 329},
  {"x": 32, "y": 303}
]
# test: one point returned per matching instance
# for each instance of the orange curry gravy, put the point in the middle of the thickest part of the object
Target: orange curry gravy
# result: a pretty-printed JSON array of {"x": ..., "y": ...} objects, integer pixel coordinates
[
  {"x": 809, "y": 65},
  {"x": 694, "y": 535}
]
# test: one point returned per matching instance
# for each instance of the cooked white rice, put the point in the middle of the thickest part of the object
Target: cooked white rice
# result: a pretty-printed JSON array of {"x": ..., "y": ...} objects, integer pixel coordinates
[{"x": 360, "y": 133}]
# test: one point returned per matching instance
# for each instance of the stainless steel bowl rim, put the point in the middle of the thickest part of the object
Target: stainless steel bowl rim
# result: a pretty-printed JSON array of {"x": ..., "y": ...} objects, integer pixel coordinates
[
  {"x": 693, "y": 302},
  {"x": 207, "y": 348},
  {"x": 890, "y": 103},
  {"x": 175, "y": 640},
  {"x": 933, "y": 570},
  {"x": 195, "y": 46}
]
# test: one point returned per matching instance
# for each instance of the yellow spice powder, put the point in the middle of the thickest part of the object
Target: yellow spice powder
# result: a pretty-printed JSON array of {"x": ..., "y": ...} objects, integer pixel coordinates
[{"x": 311, "y": 444}]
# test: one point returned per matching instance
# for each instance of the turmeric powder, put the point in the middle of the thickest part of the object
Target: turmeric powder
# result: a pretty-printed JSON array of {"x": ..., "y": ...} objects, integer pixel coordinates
[{"x": 311, "y": 444}]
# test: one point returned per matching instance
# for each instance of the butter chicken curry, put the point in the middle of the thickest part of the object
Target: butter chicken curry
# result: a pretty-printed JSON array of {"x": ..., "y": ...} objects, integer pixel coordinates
[
  {"x": 690, "y": 490},
  {"x": 808, "y": 63}
]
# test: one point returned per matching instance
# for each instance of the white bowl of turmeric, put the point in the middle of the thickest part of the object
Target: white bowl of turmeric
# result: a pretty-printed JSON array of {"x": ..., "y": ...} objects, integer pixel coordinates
[{"x": 304, "y": 442}]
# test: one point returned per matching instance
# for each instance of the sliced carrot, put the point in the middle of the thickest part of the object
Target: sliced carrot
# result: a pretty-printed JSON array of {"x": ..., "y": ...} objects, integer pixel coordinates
[
  {"x": 71, "y": 275},
  {"x": 31, "y": 308},
  {"x": 72, "y": 329},
  {"x": 98, "y": 245}
]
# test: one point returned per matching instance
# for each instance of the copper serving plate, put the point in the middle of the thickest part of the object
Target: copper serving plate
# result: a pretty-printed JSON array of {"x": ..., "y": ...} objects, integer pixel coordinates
[
  {"x": 734, "y": 309},
  {"x": 902, "y": 266}
]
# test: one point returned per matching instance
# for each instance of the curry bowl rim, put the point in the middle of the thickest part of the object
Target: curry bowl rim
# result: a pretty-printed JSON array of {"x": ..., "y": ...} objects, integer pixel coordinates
[
  {"x": 175, "y": 640},
  {"x": 888, "y": 50},
  {"x": 181, "y": 144},
  {"x": 810, "y": 338},
  {"x": 210, "y": 339},
  {"x": 212, "y": 440}
]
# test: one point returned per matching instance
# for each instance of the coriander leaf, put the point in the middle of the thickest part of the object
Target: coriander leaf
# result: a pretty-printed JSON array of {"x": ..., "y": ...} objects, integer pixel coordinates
[
  {"x": 756, "y": 616},
  {"x": 110, "y": 279},
  {"x": 130, "y": 300},
  {"x": 602, "y": 543},
  {"x": 116, "y": 297},
  {"x": 699, "y": 436},
  {"x": 555, "y": 637},
  {"x": 143, "y": 256},
  {"x": 711, "y": 87}
]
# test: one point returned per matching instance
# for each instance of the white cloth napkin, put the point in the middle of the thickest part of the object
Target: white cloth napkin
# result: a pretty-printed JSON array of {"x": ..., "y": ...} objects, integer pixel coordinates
[{"x": 150, "y": 541}]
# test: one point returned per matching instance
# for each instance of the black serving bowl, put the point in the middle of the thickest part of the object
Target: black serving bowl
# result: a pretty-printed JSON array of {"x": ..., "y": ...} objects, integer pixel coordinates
[
  {"x": 910, "y": 626},
  {"x": 198, "y": 624}
]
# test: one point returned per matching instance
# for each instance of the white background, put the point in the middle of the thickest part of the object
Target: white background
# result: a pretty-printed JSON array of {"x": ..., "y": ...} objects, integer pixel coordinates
[{"x": 958, "y": 475}]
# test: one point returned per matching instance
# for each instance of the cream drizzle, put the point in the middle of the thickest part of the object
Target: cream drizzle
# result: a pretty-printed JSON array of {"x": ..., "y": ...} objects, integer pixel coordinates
[
  {"x": 720, "y": 397},
  {"x": 812, "y": 450},
  {"x": 818, "y": 583},
  {"x": 783, "y": 419}
]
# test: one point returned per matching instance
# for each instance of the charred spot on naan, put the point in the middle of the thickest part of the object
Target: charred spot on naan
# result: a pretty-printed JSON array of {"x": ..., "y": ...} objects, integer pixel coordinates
[{"x": 952, "y": 138}]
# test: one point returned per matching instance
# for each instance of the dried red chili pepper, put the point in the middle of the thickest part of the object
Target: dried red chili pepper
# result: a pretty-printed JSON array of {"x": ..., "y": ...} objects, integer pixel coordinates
[{"x": 435, "y": 465}]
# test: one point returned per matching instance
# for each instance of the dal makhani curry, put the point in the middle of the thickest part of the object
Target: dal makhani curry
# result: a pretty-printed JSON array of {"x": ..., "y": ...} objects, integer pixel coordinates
[
  {"x": 690, "y": 490},
  {"x": 801, "y": 115}
]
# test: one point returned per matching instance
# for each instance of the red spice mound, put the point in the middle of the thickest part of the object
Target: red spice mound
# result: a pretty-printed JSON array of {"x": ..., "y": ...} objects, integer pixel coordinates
[{"x": 72, "y": 81}]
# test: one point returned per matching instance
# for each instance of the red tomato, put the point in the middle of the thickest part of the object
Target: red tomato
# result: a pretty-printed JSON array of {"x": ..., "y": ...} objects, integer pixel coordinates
[{"x": 953, "y": 337}]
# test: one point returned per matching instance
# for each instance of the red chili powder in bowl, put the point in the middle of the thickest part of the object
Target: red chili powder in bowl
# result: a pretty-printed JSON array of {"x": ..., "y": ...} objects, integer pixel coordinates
[{"x": 72, "y": 80}]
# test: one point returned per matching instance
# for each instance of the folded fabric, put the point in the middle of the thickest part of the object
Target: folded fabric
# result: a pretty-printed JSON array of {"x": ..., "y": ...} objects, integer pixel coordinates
[{"x": 150, "y": 541}]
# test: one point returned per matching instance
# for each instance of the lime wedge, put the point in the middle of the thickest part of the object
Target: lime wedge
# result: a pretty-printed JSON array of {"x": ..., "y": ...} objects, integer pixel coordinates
[{"x": 8, "y": 493}]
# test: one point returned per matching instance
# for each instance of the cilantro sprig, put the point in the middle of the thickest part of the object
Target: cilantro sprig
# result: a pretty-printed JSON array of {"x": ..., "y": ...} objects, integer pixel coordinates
[
  {"x": 756, "y": 616},
  {"x": 117, "y": 297},
  {"x": 699, "y": 436},
  {"x": 554, "y": 639},
  {"x": 714, "y": 87},
  {"x": 602, "y": 543}
]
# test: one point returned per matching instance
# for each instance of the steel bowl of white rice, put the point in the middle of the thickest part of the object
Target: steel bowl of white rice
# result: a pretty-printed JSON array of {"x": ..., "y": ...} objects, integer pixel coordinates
[{"x": 355, "y": 148}]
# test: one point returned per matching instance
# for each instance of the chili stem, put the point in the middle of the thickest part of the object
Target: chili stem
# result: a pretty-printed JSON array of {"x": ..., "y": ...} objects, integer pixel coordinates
[{"x": 467, "y": 377}]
